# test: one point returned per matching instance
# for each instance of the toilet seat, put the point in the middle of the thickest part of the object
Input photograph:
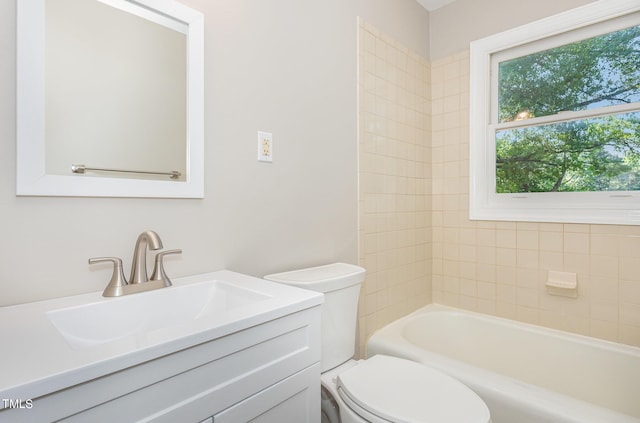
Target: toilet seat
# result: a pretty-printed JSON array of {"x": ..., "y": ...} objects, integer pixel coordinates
[{"x": 384, "y": 388}]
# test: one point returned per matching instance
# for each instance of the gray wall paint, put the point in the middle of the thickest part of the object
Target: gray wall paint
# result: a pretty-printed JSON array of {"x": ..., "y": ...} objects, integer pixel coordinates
[
  {"x": 454, "y": 26},
  {"x": 282, "y": 66}
]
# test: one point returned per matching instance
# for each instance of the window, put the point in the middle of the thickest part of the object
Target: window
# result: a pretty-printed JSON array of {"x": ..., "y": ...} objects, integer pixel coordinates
[{"x": 555, "y": 119}]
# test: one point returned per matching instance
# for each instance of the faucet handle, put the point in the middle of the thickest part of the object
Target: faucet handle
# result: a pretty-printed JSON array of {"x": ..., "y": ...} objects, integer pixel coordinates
[
  {"x": 158, "y": 268},
  {"x": 118, "y": 281}
]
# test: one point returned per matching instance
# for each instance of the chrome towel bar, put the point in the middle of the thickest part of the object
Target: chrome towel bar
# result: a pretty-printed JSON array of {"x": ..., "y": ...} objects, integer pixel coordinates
[{"x": 80, "y": 168}]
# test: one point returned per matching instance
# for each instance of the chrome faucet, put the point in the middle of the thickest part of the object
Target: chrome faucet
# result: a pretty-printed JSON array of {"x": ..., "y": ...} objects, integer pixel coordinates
[
  {"x": 139, "y": 282},
  {"x": 146, "y": 239}
]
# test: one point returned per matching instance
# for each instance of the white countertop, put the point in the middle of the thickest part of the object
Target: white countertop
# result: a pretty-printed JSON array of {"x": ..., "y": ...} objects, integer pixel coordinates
[{"x": 37, "y": 360}]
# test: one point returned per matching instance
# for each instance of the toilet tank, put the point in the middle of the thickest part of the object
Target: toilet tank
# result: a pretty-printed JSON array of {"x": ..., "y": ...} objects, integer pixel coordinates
[{"x": 340, "y": 284}]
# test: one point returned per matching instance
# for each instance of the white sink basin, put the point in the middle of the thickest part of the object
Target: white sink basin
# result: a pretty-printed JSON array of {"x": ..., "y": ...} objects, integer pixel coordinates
[
  {"x": 134, "y": 315},
  {"x": 52, "y": 345}
]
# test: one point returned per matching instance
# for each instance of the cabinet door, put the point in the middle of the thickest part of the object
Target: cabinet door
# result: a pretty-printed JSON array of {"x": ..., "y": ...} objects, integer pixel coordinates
[{"x": 295, "y": 399}]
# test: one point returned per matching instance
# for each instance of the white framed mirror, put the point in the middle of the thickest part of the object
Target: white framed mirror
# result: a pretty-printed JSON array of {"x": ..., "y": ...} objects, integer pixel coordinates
[{"x": 110, "y": 99}]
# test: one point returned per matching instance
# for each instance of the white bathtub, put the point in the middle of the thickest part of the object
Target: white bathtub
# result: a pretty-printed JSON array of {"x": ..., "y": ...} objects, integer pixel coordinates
[{"x": 524, "y": 373}]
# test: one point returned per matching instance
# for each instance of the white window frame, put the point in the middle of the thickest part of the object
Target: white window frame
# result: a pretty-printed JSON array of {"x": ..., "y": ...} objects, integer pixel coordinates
[{"x": 619, "y": 207}]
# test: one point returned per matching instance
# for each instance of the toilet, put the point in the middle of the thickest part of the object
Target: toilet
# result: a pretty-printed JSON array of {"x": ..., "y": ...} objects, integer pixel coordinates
[{"x": 380, "y": 389}]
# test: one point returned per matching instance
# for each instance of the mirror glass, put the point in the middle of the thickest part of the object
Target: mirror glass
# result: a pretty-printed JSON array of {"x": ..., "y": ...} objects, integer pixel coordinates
[{"x": 110, "y": 98}]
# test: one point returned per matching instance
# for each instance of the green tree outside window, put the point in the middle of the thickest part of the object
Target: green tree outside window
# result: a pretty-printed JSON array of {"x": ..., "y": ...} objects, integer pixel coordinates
[{"x": 590, "y": 154}]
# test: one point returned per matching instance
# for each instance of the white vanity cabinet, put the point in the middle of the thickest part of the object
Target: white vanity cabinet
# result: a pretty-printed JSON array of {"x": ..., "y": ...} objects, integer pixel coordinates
[
  {"x": 265, "y": 368},
  {"x": 262, "y": 373}
]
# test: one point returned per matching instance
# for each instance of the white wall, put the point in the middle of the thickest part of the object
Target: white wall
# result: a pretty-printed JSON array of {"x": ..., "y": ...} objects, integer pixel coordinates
[
  {"x": 283, "y": 66},
  {"x": 454, "y": 26}
]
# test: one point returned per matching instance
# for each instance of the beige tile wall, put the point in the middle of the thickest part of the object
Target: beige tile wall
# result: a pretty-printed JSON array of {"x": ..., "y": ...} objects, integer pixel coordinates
[
  {"x": 394, "y": 180},
  {"x": 500, "y": 268},
  {"x": 415, "y": 238}
]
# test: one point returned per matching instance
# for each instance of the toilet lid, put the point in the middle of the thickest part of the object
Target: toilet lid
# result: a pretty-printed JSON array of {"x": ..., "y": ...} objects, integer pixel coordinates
[{"x": 404, "y": 391}]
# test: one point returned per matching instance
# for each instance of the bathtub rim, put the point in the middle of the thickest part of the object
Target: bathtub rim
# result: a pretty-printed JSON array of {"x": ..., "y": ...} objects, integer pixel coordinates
[
  {"x": 556, "y": 333},
  {"x": 391, "y": 341}
]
